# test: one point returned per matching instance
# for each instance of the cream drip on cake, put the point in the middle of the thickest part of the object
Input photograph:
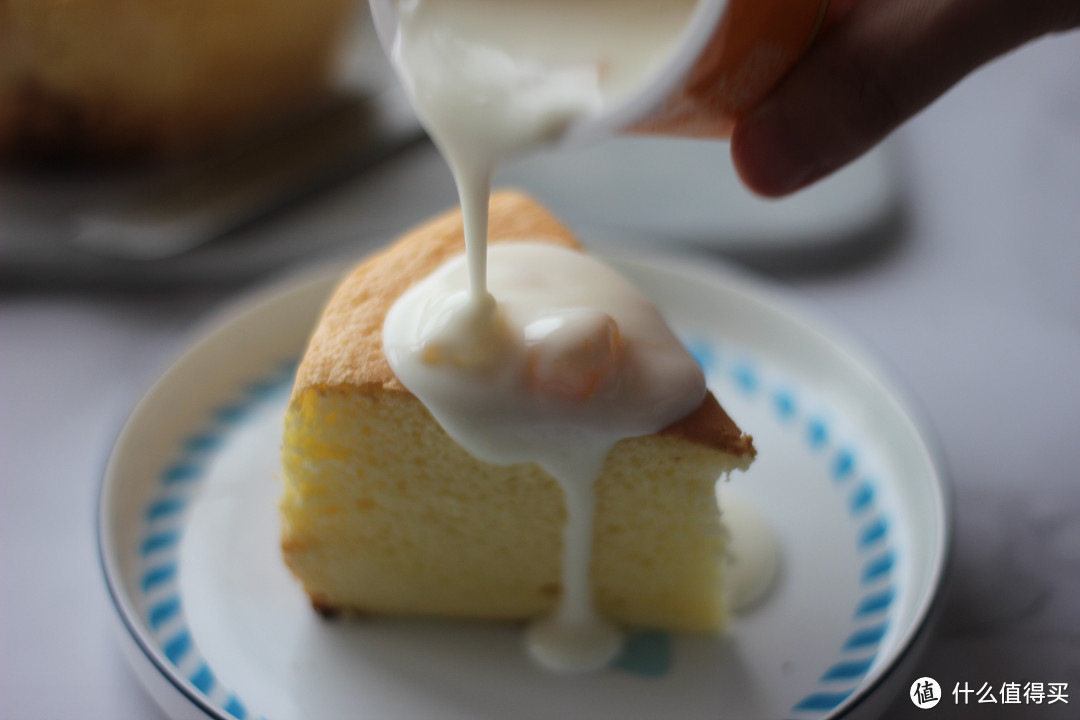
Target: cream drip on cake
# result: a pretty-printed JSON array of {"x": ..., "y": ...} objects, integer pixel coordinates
[
  {"x": 572, "y": 359},
  {"x": 528, "y": 352}
]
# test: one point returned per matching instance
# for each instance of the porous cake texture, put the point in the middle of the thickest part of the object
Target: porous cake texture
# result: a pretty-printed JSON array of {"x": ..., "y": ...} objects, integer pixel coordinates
[{"x": 384, "y": 513}]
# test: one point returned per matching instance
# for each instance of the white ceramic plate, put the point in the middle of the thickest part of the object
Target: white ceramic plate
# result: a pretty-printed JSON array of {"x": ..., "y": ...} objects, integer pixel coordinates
[{"x": 216, "y": 627}]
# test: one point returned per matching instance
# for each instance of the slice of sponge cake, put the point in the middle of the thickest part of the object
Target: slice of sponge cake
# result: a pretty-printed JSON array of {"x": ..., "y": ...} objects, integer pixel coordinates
[{"x": 384, "y": 513}]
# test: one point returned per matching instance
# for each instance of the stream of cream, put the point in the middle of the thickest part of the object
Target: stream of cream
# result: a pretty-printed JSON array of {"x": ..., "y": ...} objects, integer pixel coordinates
[{"x": 529, "y": 352}]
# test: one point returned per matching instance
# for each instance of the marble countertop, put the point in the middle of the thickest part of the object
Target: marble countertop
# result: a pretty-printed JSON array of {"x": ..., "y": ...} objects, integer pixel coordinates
[{"x": 971, "y": 295}]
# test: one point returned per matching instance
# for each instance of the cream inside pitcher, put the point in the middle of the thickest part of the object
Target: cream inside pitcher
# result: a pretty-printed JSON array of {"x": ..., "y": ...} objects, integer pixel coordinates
[
  {"x": 640, "y": 52},
  {"x": 719, "y": 57}
]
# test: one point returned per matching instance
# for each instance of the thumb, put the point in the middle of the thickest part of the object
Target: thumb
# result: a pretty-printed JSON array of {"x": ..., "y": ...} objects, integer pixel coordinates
[{"x": 884, "y": 62}]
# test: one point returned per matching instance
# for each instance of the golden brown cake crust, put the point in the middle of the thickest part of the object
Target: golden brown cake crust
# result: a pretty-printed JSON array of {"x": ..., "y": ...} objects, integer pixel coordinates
[
  {"x": 345, "y": 350},
  {"x": 711, "y": 425}
]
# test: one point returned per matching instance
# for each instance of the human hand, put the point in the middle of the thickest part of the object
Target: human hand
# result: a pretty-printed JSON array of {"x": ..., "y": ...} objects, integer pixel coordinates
[{"x": 882, "y": 63}]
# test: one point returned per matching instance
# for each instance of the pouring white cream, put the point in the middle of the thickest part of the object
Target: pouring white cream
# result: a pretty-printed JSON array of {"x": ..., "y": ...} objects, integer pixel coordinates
[
  {"x": 491, "y": 80},
  {"x": 563, "y": 357}
]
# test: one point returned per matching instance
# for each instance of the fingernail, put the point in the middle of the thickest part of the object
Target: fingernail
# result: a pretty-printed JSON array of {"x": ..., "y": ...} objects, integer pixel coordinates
[{"x": 769, "y": 160}]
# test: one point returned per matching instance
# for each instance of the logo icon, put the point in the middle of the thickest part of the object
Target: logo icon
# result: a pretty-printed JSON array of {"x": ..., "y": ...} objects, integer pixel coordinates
[{"x": 925, "y": 693}]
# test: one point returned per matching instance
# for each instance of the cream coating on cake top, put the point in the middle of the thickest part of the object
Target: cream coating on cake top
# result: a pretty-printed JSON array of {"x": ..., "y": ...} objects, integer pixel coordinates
[{"x": 346, "y": 348}]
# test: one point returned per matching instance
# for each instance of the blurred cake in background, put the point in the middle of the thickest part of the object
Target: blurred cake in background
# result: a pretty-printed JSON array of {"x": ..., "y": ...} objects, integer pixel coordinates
[{"x": 110, "y": 79}]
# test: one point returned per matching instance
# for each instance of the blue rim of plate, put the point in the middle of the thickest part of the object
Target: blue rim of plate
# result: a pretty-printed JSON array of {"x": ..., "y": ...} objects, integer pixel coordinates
[{"x": 839, "y": 689}]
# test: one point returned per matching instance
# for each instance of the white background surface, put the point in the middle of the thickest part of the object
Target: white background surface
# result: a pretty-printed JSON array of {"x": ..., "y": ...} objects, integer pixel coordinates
[{"x": 972, "y": 297}]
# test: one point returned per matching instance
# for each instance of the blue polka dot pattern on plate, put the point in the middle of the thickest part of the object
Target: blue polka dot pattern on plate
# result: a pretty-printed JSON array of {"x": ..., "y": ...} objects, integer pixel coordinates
[
  {"x": 870, "y": 616},
  {"x": 649, "y": 654},
  {"x": 159, "y": 545}
]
